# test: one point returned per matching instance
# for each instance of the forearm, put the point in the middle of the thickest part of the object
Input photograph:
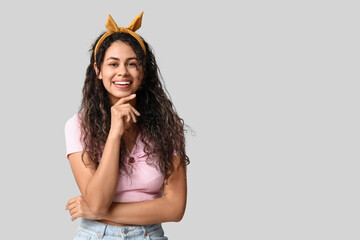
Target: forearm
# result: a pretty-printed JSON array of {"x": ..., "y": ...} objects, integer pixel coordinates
[
  {"x": 101, "y": 189},
  {"x": 147, "y": 212},
  {"x": 169, "y": 208}
]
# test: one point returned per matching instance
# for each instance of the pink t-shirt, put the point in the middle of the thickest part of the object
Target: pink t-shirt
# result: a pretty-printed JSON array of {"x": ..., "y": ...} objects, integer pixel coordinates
[{"x": 145, "y": 181}]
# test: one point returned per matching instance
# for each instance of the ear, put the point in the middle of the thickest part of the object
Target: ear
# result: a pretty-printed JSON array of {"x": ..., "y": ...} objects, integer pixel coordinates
[{"x": 98, "y": 72}]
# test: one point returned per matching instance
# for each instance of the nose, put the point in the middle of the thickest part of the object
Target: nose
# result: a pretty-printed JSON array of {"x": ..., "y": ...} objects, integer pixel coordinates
[{"x": 122, "y": 70}]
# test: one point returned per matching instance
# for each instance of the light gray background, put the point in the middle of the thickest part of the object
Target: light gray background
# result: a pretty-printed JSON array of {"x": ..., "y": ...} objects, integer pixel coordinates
[{"x": 270, "y": 87}]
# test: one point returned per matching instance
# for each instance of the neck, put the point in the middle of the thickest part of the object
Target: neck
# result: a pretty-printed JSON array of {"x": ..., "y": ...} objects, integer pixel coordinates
[
  {"x": 130, "y": 132},
  {"x": 129, "y": 137}
]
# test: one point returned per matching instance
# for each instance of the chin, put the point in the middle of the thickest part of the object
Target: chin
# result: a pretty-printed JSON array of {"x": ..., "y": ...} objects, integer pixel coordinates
[
  {"x": 122, "y": 94},
  {"x": 116, "y": 97}
]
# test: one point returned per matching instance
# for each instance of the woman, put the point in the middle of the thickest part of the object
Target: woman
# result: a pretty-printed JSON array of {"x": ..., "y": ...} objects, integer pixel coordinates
[{"x": 126, "y": 145}]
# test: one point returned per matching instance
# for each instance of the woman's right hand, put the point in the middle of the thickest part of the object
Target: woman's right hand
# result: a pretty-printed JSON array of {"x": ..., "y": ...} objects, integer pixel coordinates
[{"x": 122, "y": 115}]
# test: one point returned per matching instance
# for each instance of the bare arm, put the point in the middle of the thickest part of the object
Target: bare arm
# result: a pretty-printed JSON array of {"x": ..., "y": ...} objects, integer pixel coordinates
[
  {"x": 169, "y": 208},
  {"x": 98, "y": 186}
]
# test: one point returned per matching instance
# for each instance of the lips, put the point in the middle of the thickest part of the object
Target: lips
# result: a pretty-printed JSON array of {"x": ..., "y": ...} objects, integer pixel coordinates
[{"x": 122, "y": 84}]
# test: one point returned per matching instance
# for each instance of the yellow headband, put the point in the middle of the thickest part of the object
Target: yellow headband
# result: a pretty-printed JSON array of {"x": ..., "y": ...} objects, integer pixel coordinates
[{"x": 113, "y": 28}]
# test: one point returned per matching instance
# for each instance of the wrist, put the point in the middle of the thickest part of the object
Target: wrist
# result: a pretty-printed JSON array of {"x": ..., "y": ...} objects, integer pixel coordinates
[{"x": 115, "y": 136}]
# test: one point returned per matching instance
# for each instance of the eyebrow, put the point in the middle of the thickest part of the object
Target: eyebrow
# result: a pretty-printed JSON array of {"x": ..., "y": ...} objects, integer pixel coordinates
[{"x": 117, "y": 59}]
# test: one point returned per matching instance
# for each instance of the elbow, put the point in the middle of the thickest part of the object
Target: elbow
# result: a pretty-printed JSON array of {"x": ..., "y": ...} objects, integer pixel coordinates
[
  {"x": 175, "y": 206},
  {"x": 98, "y": 208},
  {"x": 177, "y": 214},
  {"x": 178, "y": 218},
  {"x": 99, "y": 211}
]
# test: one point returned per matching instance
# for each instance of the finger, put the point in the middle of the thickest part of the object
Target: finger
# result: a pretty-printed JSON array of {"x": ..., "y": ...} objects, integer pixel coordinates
[
  {"x": 128, "y": 117},
  {"x": 74, "y": 217},
  {"x": 125, "y": 99},
  {"x": 71, "y": 207},
  {"x": 126, "y": 107},
  {"x": 73, "y": 211},
  {"x": 133, "y": 116},
  {"x": 71, "y": 201},
  {"x": 135, "y": 111}
]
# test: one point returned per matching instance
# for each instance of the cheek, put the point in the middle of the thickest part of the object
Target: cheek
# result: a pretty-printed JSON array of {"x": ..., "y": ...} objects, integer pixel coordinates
[
  {"x": 138, "y": 75},
  {"x": 106, "y": 79},
  {"x": 108, "y": 74}
]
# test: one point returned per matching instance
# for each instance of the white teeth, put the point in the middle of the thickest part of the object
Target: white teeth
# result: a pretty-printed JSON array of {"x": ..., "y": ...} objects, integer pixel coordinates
[{"x": 122, "y": 83}]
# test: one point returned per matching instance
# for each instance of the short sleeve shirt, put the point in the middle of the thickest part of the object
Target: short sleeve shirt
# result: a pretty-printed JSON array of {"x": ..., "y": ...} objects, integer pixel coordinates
[{"x": 143, "y": 182}]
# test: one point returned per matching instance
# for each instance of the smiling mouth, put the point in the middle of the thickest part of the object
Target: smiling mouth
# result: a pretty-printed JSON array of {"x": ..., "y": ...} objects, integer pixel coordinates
[{"x": 124, "y": 83}]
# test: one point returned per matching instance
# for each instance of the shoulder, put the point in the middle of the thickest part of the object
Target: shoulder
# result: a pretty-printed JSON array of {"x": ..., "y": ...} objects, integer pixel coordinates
[
  {"x": 73, "y": 122},
  {"x": 73, "y": 134}
]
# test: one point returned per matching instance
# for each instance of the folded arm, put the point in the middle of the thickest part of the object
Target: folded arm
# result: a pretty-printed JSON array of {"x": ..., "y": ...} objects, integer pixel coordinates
[{"x": 169, "y": 208}]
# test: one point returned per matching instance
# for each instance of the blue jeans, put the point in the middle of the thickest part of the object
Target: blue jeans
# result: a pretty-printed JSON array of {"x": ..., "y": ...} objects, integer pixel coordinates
[{"x": 94, "y": 230}]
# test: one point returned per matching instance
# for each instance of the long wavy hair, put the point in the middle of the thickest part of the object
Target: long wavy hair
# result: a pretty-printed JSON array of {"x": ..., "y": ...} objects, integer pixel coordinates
[{"x": 161, "y": 128}]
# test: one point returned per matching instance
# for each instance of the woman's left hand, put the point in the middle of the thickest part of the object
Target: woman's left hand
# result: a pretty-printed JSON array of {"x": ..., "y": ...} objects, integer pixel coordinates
[{"x": 78, "y": 208}]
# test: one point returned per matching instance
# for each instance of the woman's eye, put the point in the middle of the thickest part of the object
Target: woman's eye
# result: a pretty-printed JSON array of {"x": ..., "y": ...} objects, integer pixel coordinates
[
  {"x": 113, "y": 64},
  {"x": 132, "y": 64}
]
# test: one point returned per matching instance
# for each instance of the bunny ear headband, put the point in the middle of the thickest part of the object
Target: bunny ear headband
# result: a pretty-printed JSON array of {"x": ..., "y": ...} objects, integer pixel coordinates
[{"x": 112, "y": 28}]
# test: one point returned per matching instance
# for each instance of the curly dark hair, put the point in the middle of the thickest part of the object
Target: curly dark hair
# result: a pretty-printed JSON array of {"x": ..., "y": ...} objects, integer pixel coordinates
[{"x": 159, "y": 122}]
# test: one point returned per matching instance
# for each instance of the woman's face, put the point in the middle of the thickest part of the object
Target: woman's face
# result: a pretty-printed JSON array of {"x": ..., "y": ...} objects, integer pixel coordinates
[{"x": 121, "y": 72}]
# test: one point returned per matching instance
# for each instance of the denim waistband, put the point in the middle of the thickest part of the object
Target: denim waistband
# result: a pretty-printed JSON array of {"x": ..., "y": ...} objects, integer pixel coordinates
[{"x": 101, "y": 229}]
